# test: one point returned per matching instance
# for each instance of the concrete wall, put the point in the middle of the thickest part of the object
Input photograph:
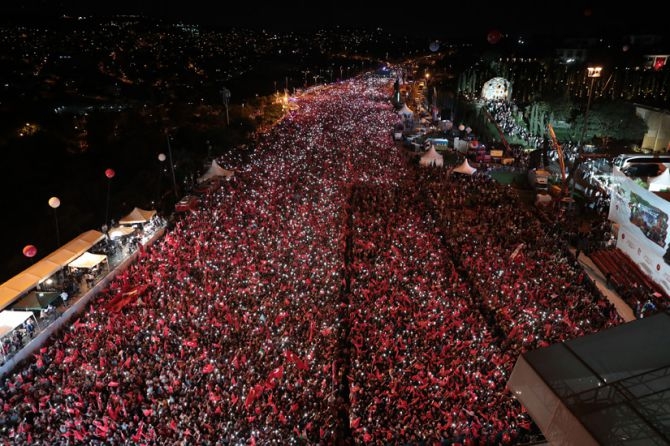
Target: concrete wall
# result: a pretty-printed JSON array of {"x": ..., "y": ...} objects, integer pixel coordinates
[{"x": 657, "y": 137}]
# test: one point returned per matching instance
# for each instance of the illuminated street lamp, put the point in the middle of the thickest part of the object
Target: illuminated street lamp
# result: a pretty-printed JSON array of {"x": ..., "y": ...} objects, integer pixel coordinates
[
  {"x": 593, "y": 73},
  {"x": 109, "y": 174},
  {"x": 174, "y": 179}
]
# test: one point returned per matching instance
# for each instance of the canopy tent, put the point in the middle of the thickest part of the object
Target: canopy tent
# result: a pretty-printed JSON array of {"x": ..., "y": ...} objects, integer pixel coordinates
[
  {"x": 121, "y": 231},
  {"x": 45, "y": 268},
  {"x": 405, "y": 112},
  {"x": 215, "y": 171},
  {"x": 10, "y": 320},
  {"x": 136, "y": 216},
  {"x": 76, "y": 247},
  {"x": 465, "y": 168},
  {"x": 431, "y": 158},
  {"x": 661, "y": 182},
  {"x": 36, "y": 300},
  {"x": 87, "y": 260}
]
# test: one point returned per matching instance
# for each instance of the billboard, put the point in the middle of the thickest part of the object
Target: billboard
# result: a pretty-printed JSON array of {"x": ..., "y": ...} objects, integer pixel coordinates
[{"x": 643, "y": 227}]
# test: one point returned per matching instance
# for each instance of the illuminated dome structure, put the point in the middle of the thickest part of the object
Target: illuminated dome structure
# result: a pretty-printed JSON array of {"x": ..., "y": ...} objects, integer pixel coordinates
[{"x": 496, "y": 89}]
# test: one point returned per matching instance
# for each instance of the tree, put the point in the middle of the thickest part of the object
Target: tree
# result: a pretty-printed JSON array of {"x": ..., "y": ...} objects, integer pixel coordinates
[{"x": 613, "y": 120}]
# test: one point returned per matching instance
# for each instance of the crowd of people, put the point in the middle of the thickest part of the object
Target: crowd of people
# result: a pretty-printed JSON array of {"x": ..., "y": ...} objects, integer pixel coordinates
[
  {"x": 504, "y": 114},
  {"x": 331, "y": 292}
]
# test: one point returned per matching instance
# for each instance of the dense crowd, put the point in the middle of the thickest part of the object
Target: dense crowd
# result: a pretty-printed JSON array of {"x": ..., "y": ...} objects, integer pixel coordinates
[
  {"x": 504, "y": 114},
  {"x": 329, "y": 293}
]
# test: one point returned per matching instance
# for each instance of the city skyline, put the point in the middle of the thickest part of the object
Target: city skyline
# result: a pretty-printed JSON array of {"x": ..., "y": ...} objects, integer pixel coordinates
[{"x": 576, "y": 18}]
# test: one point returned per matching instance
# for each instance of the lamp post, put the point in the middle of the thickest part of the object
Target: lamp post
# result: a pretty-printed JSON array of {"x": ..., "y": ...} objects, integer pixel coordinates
[
  {"x": 109, "y": 173},
  {"x": 593, "y": 73},
  {"x": 161, "y": 158},
  {"x": 54, "y": 203},
  {"x": 174, "y": 179},
  {"x": 225, "y": 95}
]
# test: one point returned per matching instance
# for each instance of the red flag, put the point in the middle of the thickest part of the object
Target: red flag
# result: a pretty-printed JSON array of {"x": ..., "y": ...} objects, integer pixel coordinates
[
  {"x": 292, "y": 357},
  {"x": 276, "y": 373},
  {"x": 113, "y": 414},
  {"x": 190, "y": 343},
  {"x": 209, "y": 368},
  {"x": 60, "y": 354},
  {"x": 280, "y": 317},
  {"x": 251, "y": 396}
]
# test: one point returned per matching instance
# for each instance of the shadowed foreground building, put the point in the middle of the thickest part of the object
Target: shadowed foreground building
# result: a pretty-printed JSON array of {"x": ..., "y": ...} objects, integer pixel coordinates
[{"x": 608, "y": 388}]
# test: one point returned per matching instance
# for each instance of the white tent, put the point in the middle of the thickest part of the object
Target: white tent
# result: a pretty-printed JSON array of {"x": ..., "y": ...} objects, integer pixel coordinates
[
  {"x": 661, "y": 182},
  {"x": 137, "y": 215},
  {"x": 10, "y": 320},
  {"x": 431, "y": 158},
  {"x": 215, "y": 171},
  {"x": 121, "y": 231},
  {"x": 405, "y": 112},
  {"x": 465, "y": 168},
  {"x": 43, "y": 269},
  {"x": 87, "y": 260}
]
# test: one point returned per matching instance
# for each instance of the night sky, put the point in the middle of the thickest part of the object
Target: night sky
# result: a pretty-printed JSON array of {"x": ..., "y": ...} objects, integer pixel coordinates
[{"x": 429, "y": 17}]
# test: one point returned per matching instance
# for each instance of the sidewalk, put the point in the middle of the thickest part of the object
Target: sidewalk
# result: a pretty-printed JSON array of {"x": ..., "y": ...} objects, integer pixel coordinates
[{"x": 598, "y": 278}]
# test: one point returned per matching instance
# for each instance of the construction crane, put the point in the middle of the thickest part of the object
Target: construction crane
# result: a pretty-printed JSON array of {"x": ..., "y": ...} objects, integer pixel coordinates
[
  {"x": 566, "y": 175},
  {"x": 561, "y": 160}
]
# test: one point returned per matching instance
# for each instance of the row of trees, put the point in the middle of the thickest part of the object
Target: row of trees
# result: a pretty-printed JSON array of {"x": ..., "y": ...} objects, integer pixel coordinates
[{"x": 608, "y": 119}]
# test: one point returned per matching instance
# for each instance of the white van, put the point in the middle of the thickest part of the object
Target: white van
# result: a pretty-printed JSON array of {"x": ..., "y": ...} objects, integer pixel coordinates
[{"x": 626, "y": 160}]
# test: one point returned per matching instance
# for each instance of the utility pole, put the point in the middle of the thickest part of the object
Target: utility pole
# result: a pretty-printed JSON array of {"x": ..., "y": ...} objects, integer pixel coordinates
[
  {"x": 225, "y": 93},
  {"x": 174, "y": 179}
]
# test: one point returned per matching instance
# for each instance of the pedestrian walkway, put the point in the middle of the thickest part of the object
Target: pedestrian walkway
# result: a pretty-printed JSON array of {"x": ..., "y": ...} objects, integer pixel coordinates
[{"x": 625, "y": 311}]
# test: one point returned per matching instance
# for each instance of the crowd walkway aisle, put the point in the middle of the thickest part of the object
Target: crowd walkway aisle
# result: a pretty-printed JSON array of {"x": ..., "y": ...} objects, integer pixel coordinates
[{"x": 624, "y": 310}]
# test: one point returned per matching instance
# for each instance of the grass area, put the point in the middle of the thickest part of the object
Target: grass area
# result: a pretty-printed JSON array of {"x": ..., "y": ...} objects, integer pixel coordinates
[
  {"x": 450, "y": 157},
  {"x": 518, "y": 179}
]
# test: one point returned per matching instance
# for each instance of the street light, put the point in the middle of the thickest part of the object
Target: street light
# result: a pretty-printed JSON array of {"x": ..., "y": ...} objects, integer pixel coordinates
[
  {"x": 225, "y": 94},
  {"x": 174, "y": 179},
  {"x": 109, "y": 173},
  {"x": 593, "y": 73},
  {"x": 54, "y": 203}
]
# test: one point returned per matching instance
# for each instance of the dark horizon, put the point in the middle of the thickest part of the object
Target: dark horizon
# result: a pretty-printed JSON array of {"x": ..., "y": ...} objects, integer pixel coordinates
[{"x": 578, "y": 19}]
